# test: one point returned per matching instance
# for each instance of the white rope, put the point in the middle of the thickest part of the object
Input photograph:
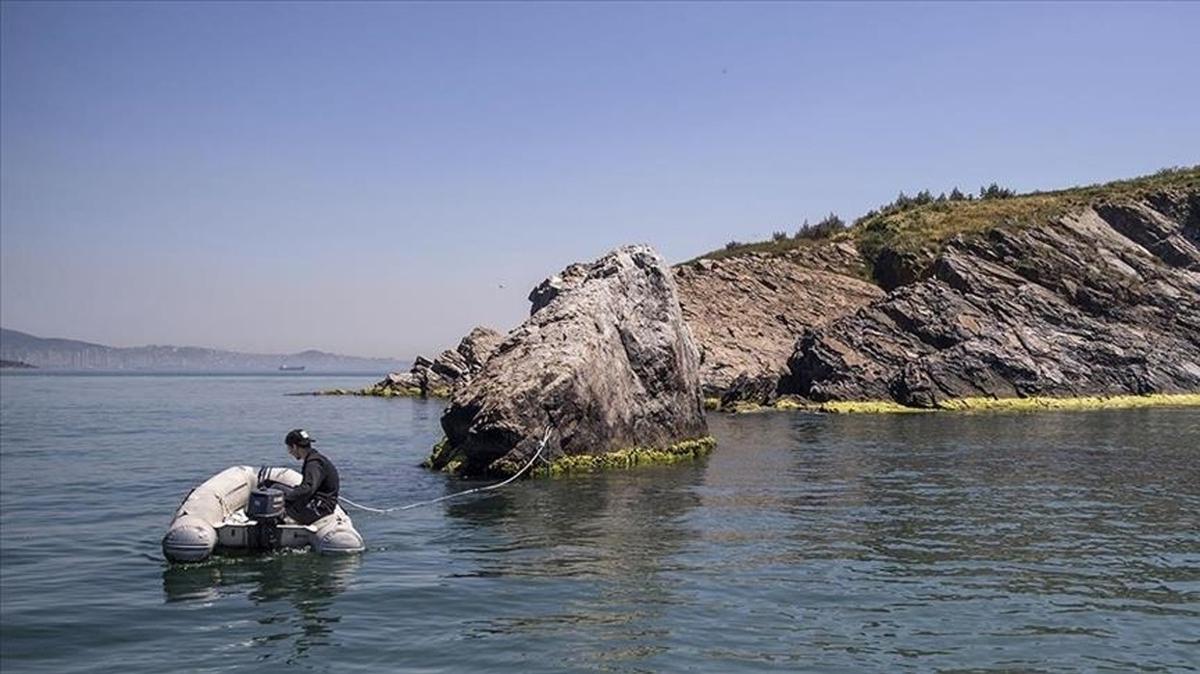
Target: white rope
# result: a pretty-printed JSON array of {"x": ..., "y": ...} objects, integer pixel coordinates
[{"x": 384, "y": 511}]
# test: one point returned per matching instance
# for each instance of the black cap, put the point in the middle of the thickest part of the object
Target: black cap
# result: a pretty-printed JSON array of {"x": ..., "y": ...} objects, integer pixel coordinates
[{"x": 298, "y": 437}]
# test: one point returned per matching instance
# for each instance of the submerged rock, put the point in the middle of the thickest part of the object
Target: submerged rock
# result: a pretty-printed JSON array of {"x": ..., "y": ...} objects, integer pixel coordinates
[
  {"x": 605, "y": 359},
  {"x": 441, "y": 376}
]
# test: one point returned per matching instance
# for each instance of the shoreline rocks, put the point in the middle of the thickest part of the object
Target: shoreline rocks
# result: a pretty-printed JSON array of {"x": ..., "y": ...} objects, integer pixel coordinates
[
  {"x": 605, "y": 359},
  {"x": 438, "y": 378}
]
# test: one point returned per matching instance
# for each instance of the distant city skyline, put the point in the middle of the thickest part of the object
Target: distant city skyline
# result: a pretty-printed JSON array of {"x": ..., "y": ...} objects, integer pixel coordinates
[{"x": 375, "y": 179}]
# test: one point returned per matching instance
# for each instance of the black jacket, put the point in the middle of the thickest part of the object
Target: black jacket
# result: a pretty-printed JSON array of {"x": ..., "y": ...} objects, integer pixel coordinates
[{"x": 321, "y": 484}]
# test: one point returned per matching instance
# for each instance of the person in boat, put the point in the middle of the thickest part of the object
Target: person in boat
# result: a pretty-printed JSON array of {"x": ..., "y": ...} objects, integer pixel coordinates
[{"x": 317, "y": 495}]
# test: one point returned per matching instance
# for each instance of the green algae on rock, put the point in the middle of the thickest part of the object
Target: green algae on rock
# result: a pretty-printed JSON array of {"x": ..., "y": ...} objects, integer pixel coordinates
[
  {"x": 1074, "y": 403},
  {"x": 868, "y": 407},
  {"x": 443, "y": 457},
  {"x": 979, "y": 404},
  {"x": 687, "y": 450},
  {"x": 796, "y": 404}
]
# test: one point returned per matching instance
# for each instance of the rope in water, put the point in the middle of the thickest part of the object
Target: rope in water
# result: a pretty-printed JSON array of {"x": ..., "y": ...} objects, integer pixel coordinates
[{"x": 410, "y": 506}]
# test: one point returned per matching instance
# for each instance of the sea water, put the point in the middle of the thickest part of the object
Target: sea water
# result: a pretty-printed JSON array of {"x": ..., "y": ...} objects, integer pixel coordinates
[{"x": 1050, "y": 541}]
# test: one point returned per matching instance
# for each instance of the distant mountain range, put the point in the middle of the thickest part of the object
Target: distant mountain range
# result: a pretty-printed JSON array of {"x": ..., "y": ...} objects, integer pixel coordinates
[{"x": 53, "y": 353}]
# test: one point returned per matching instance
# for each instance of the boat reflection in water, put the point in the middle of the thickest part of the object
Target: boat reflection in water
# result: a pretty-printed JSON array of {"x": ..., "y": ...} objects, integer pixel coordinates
[{"x": 292, "y": 594}]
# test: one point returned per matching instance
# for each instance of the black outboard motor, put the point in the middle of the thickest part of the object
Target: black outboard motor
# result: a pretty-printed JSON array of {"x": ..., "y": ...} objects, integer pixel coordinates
[{"x": 266, "y": 509}]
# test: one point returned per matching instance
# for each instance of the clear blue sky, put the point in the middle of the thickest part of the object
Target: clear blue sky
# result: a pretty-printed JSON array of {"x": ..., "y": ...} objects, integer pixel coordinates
[{"x": 377, "y": 178}]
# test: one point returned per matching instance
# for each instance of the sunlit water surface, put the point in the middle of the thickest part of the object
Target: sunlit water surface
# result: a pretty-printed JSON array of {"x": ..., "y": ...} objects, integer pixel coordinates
[{"x": 1055, "y": 541}]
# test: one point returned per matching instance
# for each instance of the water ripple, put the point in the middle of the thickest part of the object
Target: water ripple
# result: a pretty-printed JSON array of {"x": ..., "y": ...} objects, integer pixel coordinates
[{"x": 1052, "y": 542}]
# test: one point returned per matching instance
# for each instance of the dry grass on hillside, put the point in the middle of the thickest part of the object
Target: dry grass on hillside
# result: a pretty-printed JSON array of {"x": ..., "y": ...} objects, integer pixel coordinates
[
  {"x": 772, "y": 247},
  {"x": 917, "y": 227},
  {"x": 922, "y": 226}
]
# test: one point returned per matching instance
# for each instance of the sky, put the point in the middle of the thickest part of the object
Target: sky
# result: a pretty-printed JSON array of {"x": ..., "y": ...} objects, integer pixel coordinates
[{"x": 375, "y": 179}]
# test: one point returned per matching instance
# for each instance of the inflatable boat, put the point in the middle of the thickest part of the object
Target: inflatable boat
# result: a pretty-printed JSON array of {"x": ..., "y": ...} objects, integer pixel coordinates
[{"x": 236, "y": 510}]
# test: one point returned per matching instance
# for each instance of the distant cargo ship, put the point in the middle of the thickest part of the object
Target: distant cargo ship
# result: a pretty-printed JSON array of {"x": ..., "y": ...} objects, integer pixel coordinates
[{"x": 291, "y": 368}]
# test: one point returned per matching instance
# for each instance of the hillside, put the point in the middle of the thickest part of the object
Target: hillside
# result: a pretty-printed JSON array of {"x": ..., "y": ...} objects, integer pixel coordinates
[
  {"x": 1085, "y": 290},
  {"x": 76, "y": 355}
]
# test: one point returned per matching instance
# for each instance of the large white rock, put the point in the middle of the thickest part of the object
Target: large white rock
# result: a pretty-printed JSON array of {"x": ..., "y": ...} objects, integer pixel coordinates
[{"x": 605, "y": 358}]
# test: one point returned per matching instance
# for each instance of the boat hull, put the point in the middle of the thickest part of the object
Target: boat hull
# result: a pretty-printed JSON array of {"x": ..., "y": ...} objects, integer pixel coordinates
[{"x": 212, "y": 518}]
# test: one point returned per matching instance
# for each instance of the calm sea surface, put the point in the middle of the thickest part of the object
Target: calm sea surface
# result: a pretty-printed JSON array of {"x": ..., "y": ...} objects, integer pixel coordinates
[{"x": 1056, "y": 541}]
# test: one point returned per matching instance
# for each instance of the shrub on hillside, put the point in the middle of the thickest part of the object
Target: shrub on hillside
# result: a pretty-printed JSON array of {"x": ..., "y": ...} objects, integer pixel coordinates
[
  {"x": 827, "y": 227},
  {"x": 994, "y": 191},
  {"x": 903, "y": 202},
  {"x": 1172, "y": 170}
]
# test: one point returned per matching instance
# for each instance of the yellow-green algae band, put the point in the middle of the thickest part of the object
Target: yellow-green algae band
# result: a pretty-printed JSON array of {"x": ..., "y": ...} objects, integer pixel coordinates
[
  {"x": 686, "y": 450},
  {"x": 1076, "y": 403},
  {"x": 1031, "y": 404},
  {"x": 442, "y": 454}
]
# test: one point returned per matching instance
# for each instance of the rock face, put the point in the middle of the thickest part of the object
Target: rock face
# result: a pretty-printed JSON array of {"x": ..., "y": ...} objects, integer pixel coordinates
[
  {"x": 453, "y": 369},
  {"x": 1103, "y": 301},
  {"x": 747, "y": 311},
  {"x": 605, "y": 358}
]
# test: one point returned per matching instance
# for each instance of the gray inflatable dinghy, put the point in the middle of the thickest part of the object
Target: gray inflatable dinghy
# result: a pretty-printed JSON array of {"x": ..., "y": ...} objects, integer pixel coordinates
[{"x": 229, "y": 511}]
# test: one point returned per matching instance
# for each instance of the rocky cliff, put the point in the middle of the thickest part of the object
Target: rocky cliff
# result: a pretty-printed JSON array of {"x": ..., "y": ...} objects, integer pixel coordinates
[
  {"x": 1103, "y": 300},
  {"x": 1085, "y": 291},
  {"x": 746, "y": 311}
]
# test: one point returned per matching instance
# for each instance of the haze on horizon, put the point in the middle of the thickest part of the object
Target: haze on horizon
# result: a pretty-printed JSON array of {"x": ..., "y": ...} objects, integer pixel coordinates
[{"x": 374, "y": 179}]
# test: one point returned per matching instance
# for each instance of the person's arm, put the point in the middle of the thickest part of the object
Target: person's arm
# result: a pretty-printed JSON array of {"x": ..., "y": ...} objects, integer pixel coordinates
[{"x": 313, "y": 476}]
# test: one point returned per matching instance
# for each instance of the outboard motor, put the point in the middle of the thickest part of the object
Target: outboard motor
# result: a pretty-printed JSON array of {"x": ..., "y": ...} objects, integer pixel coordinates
[{"x": 266, "y": 509}]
